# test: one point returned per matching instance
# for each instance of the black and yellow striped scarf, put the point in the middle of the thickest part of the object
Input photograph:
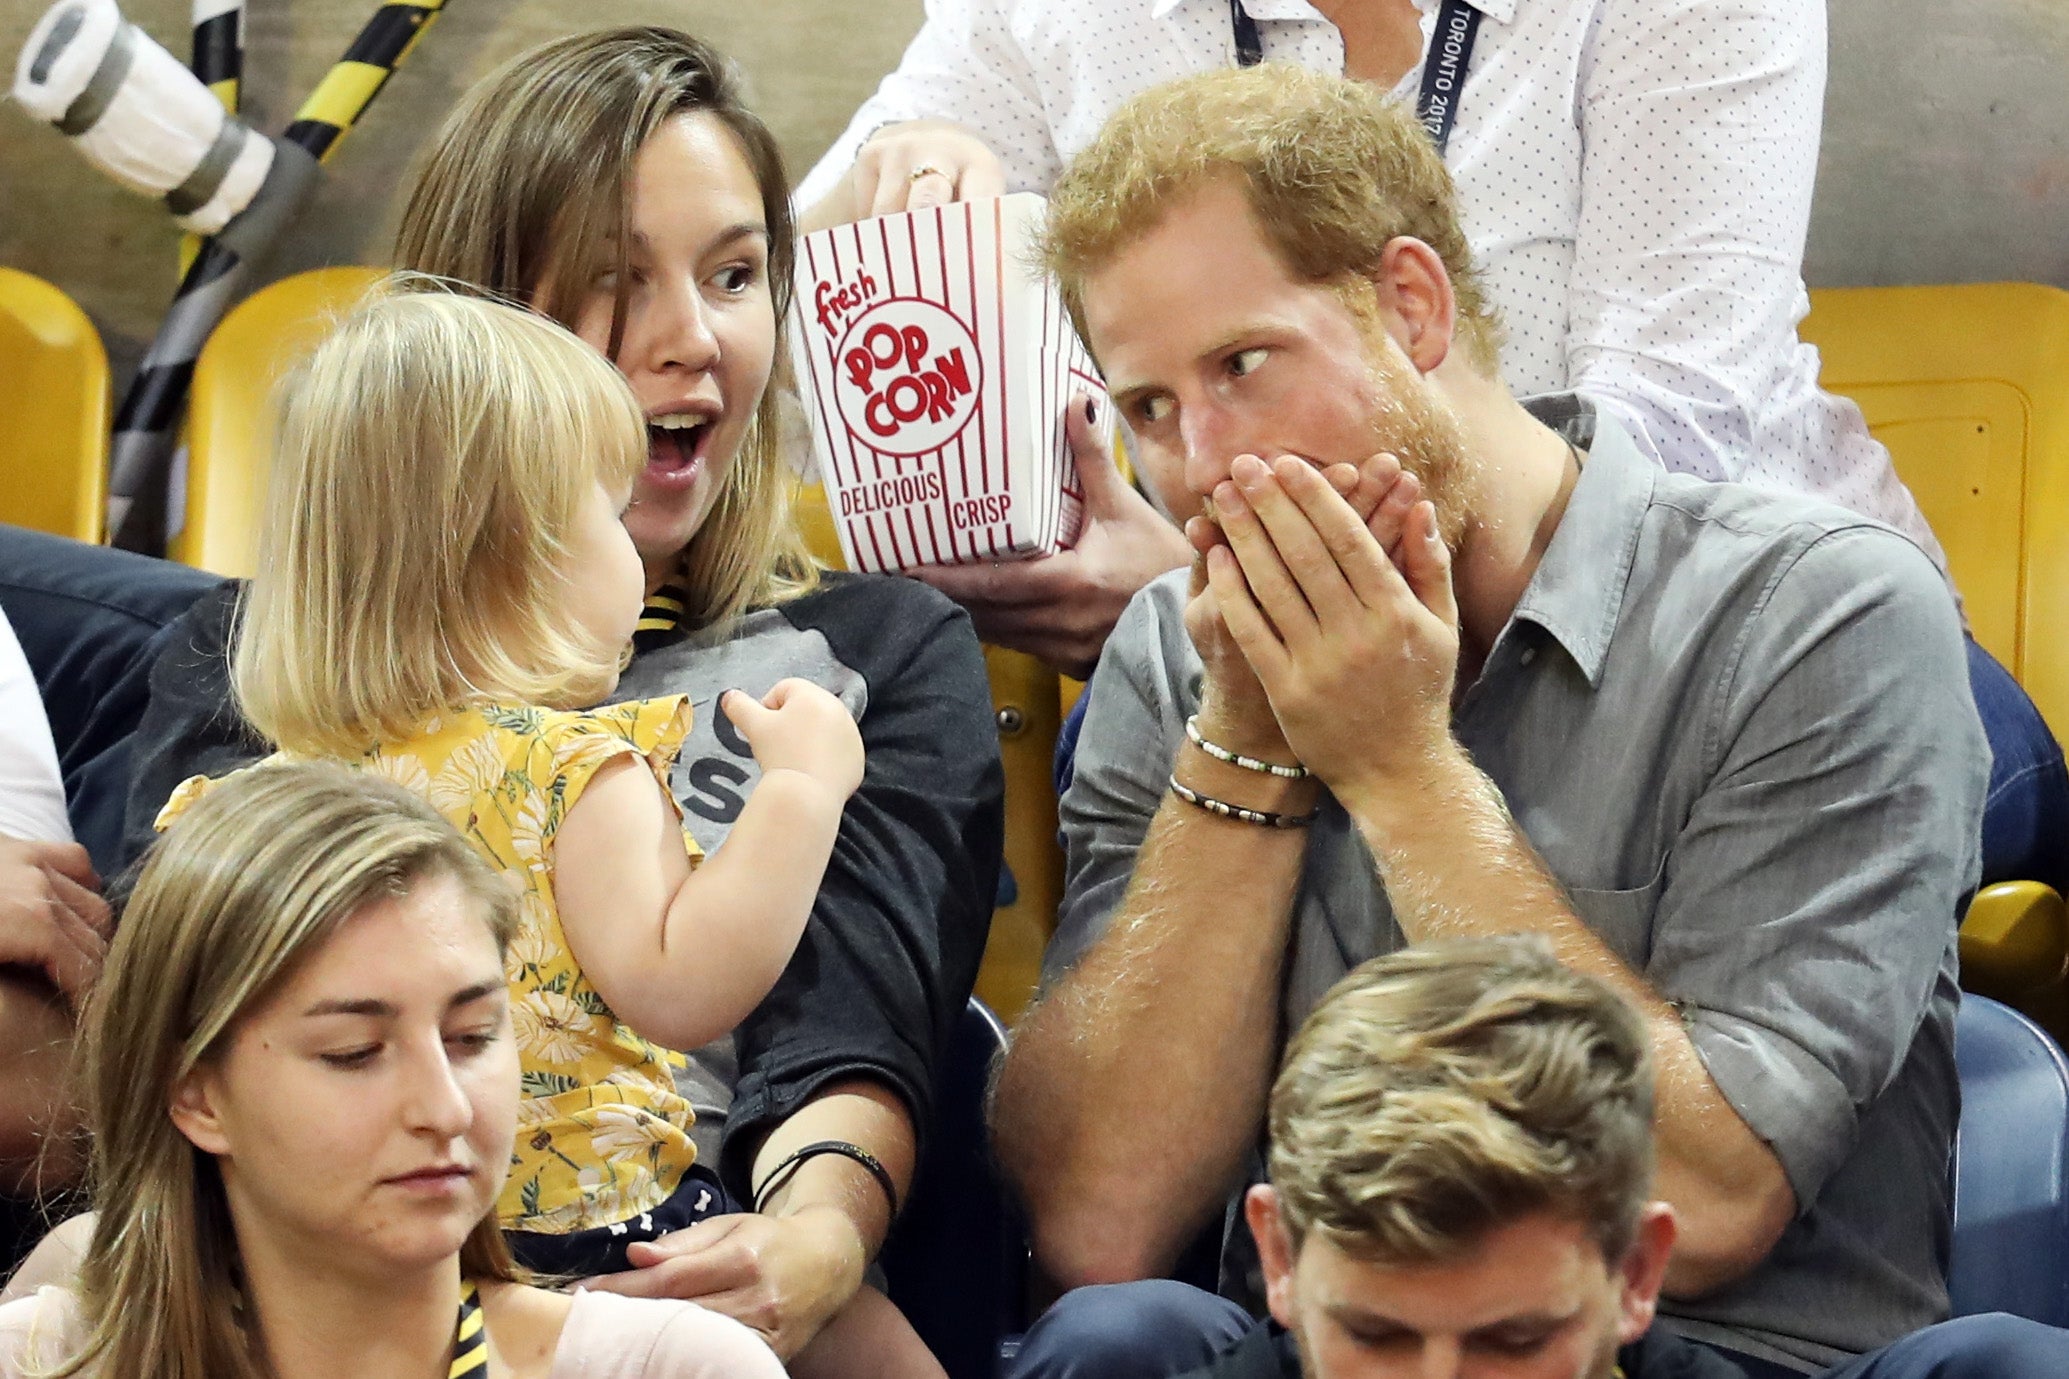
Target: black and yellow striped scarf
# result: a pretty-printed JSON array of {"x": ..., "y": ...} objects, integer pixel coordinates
[
  {"x": 470, "y": 1342},
  {"x": 661, "y": 621}
]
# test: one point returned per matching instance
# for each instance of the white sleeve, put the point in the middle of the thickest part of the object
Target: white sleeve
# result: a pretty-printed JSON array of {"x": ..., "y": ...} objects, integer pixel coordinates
[
  {"x": 1700, "y": 122},
  {"x": 964, "y": 65},
  {"x": 32, "y": 793},
  {"x": 39, "y": 1332}
]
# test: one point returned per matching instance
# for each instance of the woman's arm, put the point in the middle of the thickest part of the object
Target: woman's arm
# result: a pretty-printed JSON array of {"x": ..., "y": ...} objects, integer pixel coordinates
[
  {"x": 1700, "y": 122},
  {"x": 789, "y": 1269},
  {"x": 898, "y": 929},
  {"x": 967, "y": 99},
  {"x": 844, "y": 1047}
]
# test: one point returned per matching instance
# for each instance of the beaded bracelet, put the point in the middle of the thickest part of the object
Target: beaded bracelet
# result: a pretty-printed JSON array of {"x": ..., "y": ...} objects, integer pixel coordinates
[
  {"x": 1224, "y": 810},
  {"x": 1221, "y": 753}
]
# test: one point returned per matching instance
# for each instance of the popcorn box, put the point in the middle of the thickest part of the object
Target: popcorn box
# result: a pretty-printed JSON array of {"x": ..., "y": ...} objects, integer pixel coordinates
[{"x": 936, "y": 361}]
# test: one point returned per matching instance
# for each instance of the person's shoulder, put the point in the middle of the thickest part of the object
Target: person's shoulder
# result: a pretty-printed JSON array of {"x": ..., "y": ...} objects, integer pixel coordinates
[
  {"x": 852, "y": 597},
  {"x": 1782, "y": 522},
  {"x": 612, "y": 1337},
  {"x": 1809, "y": 549},
  {"x": 650, "y": 723},
  {"x": 40, "y": 1331},
  {"x": 1660, "y": 1354},
  {"x": 1264, "y": 1352},
  {"x": 213, "y": 616},
  {"x": 883, "y": 625}
]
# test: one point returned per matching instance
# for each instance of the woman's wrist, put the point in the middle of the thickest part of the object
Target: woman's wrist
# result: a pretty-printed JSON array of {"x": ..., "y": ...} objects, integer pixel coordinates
[
  {"x": 858, "y": 1111},
  {"x": 834, "y": 1240}
]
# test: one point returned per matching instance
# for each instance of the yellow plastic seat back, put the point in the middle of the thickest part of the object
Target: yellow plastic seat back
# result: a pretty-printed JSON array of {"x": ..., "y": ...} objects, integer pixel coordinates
[
  {"x": 1968, "y": 386},
  {"x": 230, "y": 426},
  {"x": 54, "y": 411},
  {"x": 1027, "y": 704}
]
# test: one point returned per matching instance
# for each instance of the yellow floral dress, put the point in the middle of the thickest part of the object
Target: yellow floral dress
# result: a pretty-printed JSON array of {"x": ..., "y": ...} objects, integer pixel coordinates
[{"x": 602, "y": 1135}]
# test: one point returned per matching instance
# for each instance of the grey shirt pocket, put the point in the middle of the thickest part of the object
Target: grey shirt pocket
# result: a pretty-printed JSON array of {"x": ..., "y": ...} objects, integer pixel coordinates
[{"x": 1622, "y": 919}]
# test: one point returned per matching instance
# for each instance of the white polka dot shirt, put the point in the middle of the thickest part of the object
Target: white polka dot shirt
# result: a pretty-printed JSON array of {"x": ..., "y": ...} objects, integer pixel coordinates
[{"x": 1634, "y": 175}]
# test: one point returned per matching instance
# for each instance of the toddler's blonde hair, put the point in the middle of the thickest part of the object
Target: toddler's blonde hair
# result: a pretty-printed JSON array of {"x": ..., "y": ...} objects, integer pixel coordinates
[{"x": 432, "y": 456}]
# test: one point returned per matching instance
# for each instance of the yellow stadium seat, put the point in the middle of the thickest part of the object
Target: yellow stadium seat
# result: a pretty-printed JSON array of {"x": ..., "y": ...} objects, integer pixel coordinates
[
  {"x": 230, "y": 425},
  {"x": 1968, "y": 386},
  {"x": 54, "y": 396},
  {"x": 1028, "y": 706},
  {"x": 1027, "y": 701}
]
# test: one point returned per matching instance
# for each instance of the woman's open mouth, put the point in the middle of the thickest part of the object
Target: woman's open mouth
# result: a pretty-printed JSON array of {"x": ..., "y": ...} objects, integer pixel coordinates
[{"x": 676, "y": 446}]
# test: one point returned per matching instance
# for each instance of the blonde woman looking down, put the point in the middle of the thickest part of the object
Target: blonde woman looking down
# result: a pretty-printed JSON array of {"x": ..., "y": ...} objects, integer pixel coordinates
[
  {"x": 302, "y": 1088},
  {"x": 616, "y": 183}
]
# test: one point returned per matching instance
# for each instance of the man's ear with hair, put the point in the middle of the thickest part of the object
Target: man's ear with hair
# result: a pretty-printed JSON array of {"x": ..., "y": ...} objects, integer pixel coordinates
[
  {"x": 1644, "y": 1270},
  {"x": 1415, "y": 300},
  {"x": 1275, "y": 1249}
]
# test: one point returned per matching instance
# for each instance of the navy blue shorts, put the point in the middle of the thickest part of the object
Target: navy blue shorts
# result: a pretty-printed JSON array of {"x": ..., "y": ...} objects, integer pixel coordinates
[{"x": 601, "y": 1249}]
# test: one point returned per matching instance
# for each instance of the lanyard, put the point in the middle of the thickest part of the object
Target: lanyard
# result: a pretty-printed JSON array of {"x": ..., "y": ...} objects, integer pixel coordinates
[
  {"x": 470, "y": 1346},
  {"x": 1443, "y": 73}
]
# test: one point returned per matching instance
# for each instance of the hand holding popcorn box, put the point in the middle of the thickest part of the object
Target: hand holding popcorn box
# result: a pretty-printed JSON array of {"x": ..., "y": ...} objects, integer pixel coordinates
[{"x": 937, "y": 361}]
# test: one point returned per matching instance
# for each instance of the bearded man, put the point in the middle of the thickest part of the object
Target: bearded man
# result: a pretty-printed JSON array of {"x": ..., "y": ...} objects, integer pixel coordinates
[{"x": 1451, "y": 665}]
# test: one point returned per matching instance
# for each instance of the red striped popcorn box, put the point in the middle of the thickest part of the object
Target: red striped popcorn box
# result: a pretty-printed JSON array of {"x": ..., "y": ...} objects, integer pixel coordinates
[{"x": 937, "y": 362}]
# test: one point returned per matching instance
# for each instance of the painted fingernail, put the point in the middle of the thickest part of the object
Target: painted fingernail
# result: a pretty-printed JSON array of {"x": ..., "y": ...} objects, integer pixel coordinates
[{"x": 1091, "y": 411}]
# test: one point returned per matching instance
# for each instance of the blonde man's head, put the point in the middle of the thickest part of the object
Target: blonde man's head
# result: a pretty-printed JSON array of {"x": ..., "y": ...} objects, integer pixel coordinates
[
  {"x": 432, "y": 455},
  {"x": 1443, "y": 1091},
  {"x": 1332, "y": 168}
]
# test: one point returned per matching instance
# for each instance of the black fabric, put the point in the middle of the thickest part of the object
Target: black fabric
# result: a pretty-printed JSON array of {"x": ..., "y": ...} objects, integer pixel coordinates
[
  {"x": 602, "y": 1249},
  {"x": 190, "y": 724},
  {"x": 1660, "y": 1354},
  {"x": 91, "y": 622},
  {"x": 1267, "y": 1352},
  {"x": 889, "y": 958}
]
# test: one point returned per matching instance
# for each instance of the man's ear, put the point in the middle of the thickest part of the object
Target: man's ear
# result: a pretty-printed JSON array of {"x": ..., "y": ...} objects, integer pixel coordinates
[
  {"x": 194, "y": 1114},
  {"x": 1414, "y": 290},
  {"x": 1274, "y": 1249},
  {"x": 1644, "y": 1270}
]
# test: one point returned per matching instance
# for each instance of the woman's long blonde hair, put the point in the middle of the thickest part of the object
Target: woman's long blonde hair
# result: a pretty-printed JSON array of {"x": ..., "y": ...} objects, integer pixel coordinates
[
  {"x": 239, "y": 892},
  {"x": 433, "y": 454},
  {"x": 526, "y": 191}
]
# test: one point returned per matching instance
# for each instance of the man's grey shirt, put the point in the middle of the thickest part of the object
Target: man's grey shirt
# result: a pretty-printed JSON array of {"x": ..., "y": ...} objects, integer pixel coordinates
[{"x": 1737, "y": 728}]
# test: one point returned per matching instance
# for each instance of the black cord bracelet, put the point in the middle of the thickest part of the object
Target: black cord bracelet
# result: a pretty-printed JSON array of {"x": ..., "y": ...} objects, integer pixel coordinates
[{"x": 785, "y": 1171}]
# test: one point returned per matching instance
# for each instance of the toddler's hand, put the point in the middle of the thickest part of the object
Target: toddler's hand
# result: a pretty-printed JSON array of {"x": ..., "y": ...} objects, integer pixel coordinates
[{"x": 797, "y": 726}]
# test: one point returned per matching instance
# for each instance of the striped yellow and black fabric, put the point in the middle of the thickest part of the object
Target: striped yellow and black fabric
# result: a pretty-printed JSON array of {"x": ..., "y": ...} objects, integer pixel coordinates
[
  {"x": 218, "y": 53},
  {"x": 661, "y": 621},
  {"x": 218, "y": 61},
  {"x": 350, "y": 86},
  {"x": 470, "y": 1342}
]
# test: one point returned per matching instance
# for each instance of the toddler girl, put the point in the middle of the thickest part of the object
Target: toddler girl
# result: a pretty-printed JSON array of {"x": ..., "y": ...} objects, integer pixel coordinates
[{"x": 444, "y": 587}]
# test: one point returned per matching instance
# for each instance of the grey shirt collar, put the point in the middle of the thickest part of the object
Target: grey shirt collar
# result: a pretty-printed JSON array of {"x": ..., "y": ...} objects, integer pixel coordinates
[{"x": 1578, "y": 590}]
